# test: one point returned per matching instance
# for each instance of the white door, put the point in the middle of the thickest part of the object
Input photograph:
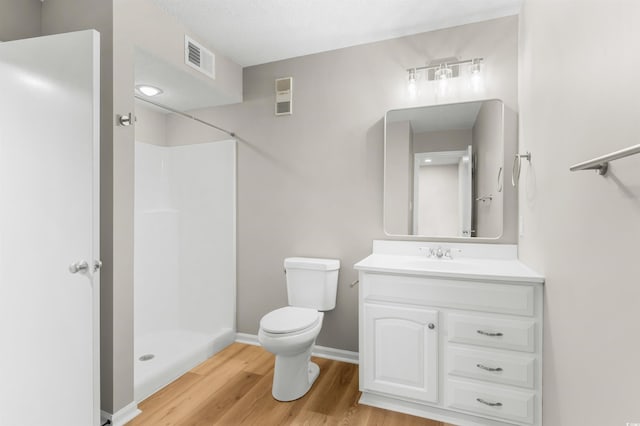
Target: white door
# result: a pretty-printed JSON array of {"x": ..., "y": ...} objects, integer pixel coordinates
[
  {"x": 401, "y": 351},
  {"x": 49, "y": 157}
]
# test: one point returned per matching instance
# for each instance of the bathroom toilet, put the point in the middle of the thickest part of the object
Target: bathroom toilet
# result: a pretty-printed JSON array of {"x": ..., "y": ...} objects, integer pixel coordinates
[{"x": 290, "y": 332}]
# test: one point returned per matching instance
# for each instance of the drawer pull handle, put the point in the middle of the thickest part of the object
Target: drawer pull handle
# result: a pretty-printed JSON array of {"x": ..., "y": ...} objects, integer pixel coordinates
[
  {"x": 489, "y": 333},
  {"x": 490, "y": 404},
  {"x": 492, "y": 369}
]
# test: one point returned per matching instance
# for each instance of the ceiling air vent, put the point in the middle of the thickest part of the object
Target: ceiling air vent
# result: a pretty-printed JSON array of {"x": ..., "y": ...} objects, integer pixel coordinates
[{"x": 199, "y": 57}]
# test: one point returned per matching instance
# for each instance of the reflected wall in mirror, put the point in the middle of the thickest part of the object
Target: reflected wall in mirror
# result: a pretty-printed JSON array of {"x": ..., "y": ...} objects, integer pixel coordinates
[{"x": 444, "y": 170}]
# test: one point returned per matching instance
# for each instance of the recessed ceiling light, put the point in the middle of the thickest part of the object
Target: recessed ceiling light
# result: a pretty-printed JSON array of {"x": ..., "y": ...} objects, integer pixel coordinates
[
  {"x": 427, "y": 160},
  {"x": 147, "y": 90}
]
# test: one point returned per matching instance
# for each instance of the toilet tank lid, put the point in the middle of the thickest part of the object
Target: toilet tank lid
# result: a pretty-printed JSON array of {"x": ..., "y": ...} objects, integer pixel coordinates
[{"x": 311, "y": 263}]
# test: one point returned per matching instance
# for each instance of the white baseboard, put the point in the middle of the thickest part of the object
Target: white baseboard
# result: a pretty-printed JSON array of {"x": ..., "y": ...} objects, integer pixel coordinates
[
  {"x": 248, "y": 339},
  {"x": 122, "y": 416},
  {"x": 318, "y": 351},
  {"x": 335, "y": 354}
]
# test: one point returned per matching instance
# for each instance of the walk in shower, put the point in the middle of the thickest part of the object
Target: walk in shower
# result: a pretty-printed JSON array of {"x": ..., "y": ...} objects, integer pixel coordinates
[{"x": 184, "y": 258}]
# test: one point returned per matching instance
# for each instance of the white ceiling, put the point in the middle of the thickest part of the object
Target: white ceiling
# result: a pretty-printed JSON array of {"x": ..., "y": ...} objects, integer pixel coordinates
[{"x": 252, "y": 32}]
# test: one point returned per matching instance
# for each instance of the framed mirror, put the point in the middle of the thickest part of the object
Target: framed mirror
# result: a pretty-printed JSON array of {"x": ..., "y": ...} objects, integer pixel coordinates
[{"x": 444, "y": 170}]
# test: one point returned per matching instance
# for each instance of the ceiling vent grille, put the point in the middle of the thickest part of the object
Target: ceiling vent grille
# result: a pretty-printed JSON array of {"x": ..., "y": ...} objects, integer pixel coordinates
[
  {"x": 198, "y": 57},
  {"x": 284, "y": 96}
]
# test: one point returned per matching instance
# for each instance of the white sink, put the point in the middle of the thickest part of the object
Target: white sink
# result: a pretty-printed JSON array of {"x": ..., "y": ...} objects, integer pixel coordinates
[
  {"x": 492, "y": 267},
  {"x": 424, "y": 264}
]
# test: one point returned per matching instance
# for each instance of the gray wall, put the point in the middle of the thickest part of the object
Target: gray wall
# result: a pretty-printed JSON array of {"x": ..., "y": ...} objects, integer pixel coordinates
[
  {"x": 399, "y": 178},
  {"x": 488, "y": 133},
  {"x": 582, "y": 230},
  {"x": 19, "y": 19},
  {"x": 310, "y": 184}
]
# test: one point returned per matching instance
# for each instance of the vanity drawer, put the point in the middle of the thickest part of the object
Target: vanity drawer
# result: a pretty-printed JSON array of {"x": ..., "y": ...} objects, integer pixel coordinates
[
  {"x": 491, "y": 401},
  {"x": 517, "y": 299},
  {"x": 513, "y": 334},
  {"x": 491, "y": 366}
]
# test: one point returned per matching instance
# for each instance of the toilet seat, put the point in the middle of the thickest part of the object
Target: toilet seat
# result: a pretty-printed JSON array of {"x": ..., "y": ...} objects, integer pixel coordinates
[{"x": 289, "y": 319}]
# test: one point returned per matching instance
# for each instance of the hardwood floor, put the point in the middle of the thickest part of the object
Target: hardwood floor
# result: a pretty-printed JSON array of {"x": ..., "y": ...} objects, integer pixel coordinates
[{"x": 234, "y": 387}]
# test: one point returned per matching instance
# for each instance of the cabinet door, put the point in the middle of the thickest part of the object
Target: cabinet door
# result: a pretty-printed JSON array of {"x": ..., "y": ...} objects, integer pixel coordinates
[{"x": 401, "y": 351}]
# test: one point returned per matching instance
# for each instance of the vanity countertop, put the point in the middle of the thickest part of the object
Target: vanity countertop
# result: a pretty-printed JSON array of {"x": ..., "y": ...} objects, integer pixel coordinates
[
  {"x": 470, "y": 261},
  {"x": 472, "y": 268}
]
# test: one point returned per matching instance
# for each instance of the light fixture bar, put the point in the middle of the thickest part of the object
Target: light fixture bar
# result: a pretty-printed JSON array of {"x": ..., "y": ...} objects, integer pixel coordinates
[{"x": 449, "y": 64}]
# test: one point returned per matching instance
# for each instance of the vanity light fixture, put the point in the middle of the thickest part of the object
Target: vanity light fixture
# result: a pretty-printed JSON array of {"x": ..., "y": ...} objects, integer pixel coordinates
[
  {"x": 444, "y": 71},
  {"x": 412, "y": 83},
  {"x": 474, "y": 68},
  {"x": 476, "y": 77},
  {"x": 148, "y": 90}
]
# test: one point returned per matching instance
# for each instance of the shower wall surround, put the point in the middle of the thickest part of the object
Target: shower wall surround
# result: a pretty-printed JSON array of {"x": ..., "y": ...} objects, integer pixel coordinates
[{"x": 184, "y": 258}]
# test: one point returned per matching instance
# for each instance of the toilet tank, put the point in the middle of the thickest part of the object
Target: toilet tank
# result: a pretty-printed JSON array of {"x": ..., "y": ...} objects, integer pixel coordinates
[{"x": 311, "y": 282}]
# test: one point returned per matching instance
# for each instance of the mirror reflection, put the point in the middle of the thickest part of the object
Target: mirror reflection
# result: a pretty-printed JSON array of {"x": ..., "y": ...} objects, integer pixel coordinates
[{"x": 444, "y": 170}]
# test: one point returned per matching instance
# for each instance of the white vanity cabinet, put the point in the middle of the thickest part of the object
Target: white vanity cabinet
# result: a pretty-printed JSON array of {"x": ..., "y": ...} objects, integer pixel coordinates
[{"x": 459, "y": 342}]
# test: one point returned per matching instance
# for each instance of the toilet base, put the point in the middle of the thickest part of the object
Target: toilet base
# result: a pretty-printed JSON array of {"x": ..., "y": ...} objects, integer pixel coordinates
[
  {"x": 293, "y": 376},
  {"x": 314, "y": 372}
]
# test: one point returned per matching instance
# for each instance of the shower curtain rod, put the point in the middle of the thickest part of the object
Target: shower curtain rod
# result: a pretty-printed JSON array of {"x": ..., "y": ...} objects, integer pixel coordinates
[{"x": 184, "y": 114}]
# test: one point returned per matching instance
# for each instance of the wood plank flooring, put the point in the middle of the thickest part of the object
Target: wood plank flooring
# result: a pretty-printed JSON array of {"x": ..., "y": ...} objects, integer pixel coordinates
[{"x": 234, "y": 387}]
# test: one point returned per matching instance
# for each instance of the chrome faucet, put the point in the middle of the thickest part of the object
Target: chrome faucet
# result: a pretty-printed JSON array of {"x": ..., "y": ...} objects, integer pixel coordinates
[{"x": 440, "y": 253}]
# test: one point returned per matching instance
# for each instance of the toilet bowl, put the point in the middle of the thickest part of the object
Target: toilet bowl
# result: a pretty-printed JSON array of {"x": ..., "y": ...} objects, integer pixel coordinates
[
  {"x": 291, "y": 341},
  {"x": 290, "y": 332}
]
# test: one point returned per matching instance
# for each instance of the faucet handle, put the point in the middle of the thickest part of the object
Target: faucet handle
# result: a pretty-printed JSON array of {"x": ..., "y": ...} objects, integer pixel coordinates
[
  {"x": 428, "y": 251},
  {"x": 438, "y": 252},
  {"x": 449, "y": 253}
]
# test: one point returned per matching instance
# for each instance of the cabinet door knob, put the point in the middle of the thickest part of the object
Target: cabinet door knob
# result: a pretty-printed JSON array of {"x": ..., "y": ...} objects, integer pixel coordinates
[{"x": 431, "y": 326}]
